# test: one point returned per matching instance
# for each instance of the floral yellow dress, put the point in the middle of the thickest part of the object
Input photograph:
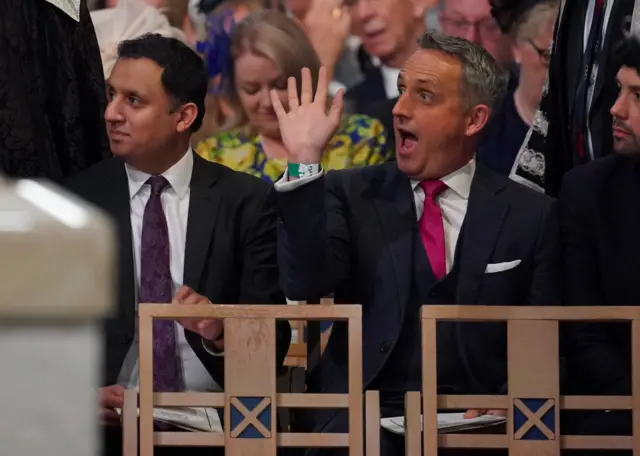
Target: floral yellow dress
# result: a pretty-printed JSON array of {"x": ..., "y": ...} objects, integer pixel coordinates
[{"x": 359, "y": 141}]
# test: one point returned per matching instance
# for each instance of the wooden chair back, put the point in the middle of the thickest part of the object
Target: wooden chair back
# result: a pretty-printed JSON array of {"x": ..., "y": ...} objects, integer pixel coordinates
[
  {"x": 250, "y": 400},
  {"x": 533, "y": 402},
  {"x": 299, "y": 350}
]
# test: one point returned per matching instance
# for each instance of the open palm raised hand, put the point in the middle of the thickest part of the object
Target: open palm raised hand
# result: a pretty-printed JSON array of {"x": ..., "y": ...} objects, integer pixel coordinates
[{"x": 307, "y": 128}]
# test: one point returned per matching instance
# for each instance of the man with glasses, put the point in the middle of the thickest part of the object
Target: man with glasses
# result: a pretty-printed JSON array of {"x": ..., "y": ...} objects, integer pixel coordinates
[{"x": 472, "y": 20}]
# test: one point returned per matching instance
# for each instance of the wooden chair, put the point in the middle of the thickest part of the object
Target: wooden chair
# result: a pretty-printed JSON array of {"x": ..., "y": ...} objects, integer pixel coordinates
[
  {"x": 250, "y": 400},
  {"x": 299, "y": 350},
  {"x": 533, "y": 402}
]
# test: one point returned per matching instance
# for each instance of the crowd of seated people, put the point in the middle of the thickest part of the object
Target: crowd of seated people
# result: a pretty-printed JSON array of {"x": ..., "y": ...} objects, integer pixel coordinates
[{"x": 257, "y": 159}]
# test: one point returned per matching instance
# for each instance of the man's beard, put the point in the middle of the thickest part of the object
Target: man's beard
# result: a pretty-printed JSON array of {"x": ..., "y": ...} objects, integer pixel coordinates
[{"x": 630, "y": 145}]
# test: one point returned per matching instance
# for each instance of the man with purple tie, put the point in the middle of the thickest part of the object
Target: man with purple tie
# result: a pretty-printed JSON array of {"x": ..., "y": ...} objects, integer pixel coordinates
[
  {"x": 190, "y": 231},
  {"x": 433, "y": 227}
]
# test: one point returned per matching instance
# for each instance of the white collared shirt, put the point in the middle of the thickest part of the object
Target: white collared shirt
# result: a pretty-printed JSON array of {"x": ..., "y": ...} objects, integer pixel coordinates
[
  {"x": 453, "y": 202},
  {"x": 175, "y": 203},
  {"x": 389, "y": 78}
]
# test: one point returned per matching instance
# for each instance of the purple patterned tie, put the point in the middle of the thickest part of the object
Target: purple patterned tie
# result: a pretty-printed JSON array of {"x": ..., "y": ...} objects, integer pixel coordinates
[{"x": 155, "y": 287}]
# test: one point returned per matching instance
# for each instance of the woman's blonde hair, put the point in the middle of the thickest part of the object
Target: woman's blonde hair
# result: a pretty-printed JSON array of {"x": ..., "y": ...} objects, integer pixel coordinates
[
  {"x": 127, "y": 20},
  {"x": 219, "y": 115},
  {"x": 270, "y": 34},
  {"x": 538, "y": 19}
]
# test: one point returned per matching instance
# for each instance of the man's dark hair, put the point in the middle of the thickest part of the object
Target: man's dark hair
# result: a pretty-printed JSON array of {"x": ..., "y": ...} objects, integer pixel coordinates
[
  {"x": 627, "y": 53},
  {"x": 184, "y": 76}
]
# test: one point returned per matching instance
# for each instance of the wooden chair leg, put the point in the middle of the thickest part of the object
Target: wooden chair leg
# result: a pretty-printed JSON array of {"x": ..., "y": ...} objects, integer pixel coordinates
[
  {"x": 130, "y": 423},
  {"x": 372, "y": 423},
  {"x": 412, "y": 424}
]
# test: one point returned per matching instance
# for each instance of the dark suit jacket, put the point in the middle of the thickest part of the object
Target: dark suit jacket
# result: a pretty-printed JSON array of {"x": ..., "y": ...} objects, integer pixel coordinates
[
  {"x": 600, "y": 218},
  {"x": 351, "y": 232},
  {"x": 230, "y": 249},
  {"x": 367, "y": 92},
  {"x": 565, "y": 65}
]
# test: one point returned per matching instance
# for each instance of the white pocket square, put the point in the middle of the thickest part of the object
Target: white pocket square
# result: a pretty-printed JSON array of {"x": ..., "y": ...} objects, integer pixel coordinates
[{"x": 501, "y": 267}]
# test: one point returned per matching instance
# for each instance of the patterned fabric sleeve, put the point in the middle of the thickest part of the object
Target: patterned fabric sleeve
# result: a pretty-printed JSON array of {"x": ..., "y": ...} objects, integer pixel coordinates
[
  {"x": 361, "y": 141},
  {"x": 375, "y": 144},
  {"x": 207, "y": 148},
  {"x": 529, "y": 165}
]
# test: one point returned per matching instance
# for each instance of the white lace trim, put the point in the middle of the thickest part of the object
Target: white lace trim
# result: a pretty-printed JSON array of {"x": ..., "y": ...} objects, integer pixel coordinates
[
  {"x": 70, "y": 7},
  {"x": 540, "y": 123},
  {"x": 532, "y": 162}
]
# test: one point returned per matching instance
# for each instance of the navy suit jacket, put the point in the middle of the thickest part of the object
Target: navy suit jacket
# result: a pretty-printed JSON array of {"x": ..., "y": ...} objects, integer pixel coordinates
[
  {"x": 351, "y": 232},
  {"x": 599, "y": 219},
  {"x": 367, "y": 92}
]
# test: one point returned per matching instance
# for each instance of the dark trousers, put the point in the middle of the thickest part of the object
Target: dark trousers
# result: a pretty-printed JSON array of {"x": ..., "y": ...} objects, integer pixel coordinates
[{"x": 596, "y": 423}]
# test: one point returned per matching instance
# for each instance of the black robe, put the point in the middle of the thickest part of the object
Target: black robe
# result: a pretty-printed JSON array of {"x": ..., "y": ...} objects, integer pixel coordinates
[{"x": 52, "y": 91}]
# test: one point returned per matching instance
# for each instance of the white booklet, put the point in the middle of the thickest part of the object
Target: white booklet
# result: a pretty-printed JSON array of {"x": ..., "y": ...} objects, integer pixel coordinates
[
  {"x": 201, "y": 419},
  {"x": 447, "y": 422}
]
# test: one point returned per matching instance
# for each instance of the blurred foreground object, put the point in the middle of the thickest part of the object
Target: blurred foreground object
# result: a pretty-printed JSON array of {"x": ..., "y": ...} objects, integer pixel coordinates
[{"x": 57, "y": 283}]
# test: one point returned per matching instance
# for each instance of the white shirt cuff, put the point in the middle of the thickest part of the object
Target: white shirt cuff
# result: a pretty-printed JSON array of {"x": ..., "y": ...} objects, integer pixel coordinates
[
  {"x": 210, "y": 349},
  {"x": 284, "y": 185}
]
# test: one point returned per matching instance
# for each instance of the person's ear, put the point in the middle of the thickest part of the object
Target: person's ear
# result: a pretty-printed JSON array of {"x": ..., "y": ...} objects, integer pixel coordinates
[
  {"x": 477, "y": 119},
  {"x": 186, "y": 115}
]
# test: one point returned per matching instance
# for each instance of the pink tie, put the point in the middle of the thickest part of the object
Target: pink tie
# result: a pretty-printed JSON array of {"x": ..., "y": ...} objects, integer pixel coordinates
[{"x": 431, "y": 228}]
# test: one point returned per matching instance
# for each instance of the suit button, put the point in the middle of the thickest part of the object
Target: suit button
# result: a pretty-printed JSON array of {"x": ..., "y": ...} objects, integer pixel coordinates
[{"x": 385, "y": 347}]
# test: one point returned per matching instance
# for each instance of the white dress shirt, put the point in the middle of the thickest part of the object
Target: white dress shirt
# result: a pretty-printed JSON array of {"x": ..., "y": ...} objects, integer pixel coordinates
[
  {"x": 390, "y": 79},
  {"x": 175, "y": 203},
  {"x": 453, "y": 202}
]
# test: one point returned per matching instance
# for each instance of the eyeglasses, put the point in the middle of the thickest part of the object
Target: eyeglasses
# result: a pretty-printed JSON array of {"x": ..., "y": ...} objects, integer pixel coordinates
[
  {"x": 487, "y": 28},
  {"x": 543, "y": 54},
  {"x": 352, "y": 3}
]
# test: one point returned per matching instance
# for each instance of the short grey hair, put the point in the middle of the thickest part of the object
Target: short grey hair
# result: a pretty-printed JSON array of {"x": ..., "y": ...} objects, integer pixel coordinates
[{"x": 483, "y": 80}]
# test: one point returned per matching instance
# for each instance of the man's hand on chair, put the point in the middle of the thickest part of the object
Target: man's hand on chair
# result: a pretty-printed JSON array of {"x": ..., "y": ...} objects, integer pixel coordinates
[
  {"x": 209, "y": 330},
  {"x": 109, "y": 399},
  {"x": 474, "y": 413}
]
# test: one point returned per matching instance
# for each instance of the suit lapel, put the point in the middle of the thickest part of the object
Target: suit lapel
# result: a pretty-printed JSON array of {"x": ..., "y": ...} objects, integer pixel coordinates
[
  {"x": 204, "y": 204},
  {"x": 482, "y": 224},
  {"x": 394, "y": 204},
  {"x": 120, "y": 208}
]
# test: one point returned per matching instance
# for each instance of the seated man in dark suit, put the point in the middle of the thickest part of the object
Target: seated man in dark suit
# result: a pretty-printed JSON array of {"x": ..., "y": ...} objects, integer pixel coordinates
[
  {"x": 434, "y": 227},
  {"x": 190, "y": 231},
  {"x": 599, "y": 219}
]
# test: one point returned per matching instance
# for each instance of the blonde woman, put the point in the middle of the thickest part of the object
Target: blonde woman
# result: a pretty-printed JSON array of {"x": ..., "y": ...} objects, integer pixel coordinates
[
  {"x": 127, "y": 20},
  {"x": 265, "y": 50},
  {"x": 219, "y": 114}
]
